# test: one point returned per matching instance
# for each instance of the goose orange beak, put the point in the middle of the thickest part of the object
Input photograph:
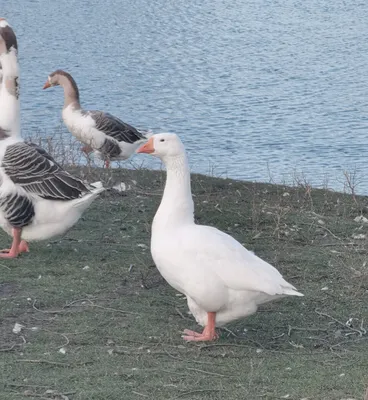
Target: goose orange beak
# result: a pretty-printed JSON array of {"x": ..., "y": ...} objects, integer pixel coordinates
[
  {"x": 46, "y": 85},
  {"x": 147, "y": 148}
]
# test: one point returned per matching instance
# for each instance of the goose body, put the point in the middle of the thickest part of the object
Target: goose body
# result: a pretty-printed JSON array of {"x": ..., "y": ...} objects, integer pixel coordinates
[
  {"x": 215, "y": 272},
  {"x": 38, "y": 198},
  {"x": 108, "y": 136},
  {"x": 221, "y": 279},
  {"x": 37, "y": 194}
]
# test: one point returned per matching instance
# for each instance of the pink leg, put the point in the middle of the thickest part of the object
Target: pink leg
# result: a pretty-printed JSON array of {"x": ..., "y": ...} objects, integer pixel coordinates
[
  {"x": 18, "y": 245},
  {"x": 23, "y": 247},
  {"x": 107, "y": 163},
  {"x": 208, "y": 334},
  {"x": 188, "y": 332}
]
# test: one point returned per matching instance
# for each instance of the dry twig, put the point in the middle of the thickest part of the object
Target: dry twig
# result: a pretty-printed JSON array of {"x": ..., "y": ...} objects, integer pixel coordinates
[
  {"x": 360, "y": 332},
  {"x": 44, "y": 362},
  {"x": 198, "y": 391}
]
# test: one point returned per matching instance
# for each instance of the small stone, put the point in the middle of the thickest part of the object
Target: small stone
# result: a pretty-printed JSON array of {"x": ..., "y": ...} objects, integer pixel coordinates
[
  {"x": 349, "y": 322},
  {"x": 86, "y": 268},
  {"x": 62, "y": 350},
  {"x": 17, "y": 328},
  {"x": 120, "y": 187},
  {"x": 360, "y": 218},
  {"x": 359, "y": 236}
]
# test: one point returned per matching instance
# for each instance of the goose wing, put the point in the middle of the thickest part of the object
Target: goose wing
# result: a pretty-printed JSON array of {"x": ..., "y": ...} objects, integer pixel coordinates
[
  {"x": 115, "y": 127},
  {"x": 33, "y": 169},
  {"x": 217, "y": 253}
]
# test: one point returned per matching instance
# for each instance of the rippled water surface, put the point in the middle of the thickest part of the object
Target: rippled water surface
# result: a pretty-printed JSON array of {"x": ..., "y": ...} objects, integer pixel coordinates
[{"x": 256, "y": 89}]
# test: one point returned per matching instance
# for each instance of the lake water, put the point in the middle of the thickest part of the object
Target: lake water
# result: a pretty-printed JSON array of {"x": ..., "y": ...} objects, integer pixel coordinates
[{"x": 257, "y": 89}]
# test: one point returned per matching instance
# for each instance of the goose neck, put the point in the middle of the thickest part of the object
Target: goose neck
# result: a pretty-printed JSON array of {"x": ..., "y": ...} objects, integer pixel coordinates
[
  {"x": 71, "y": 92},
  {"x": 177, "y": 204},
  {"x": 9, "y": 96}
]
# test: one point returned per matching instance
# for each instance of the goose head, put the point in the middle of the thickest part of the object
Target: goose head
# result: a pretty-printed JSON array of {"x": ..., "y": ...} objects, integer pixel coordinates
[
  {"x": 66, "y": 81},
  {"x": 59, "y": 78},
  {"x": 8, "y": 40},
  {"x": 163, "y": 146}
]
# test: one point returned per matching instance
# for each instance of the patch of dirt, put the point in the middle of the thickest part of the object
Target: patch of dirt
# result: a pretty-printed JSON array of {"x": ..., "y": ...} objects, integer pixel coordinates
[{"x": 8, "y": 289}]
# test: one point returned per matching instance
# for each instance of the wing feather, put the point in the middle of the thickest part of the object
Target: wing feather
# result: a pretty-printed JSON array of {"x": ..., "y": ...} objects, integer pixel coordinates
[
  {"x": 237, "y": 267},
  {"x": 18, "y": 210},
  {"x": 32, "y": 168},
  {"x": 115, "y": 127}
]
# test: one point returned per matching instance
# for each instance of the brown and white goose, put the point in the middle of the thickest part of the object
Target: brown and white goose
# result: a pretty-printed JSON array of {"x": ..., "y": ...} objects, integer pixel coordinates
[
  {"x": 9, "y": 39},
  {"x": 9, "y": 103},
  {"x": 108, "y": 136},
  {"x": 38, "y": 198}
]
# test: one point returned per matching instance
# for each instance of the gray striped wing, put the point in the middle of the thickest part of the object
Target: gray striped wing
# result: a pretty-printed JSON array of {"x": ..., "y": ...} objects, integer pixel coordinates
[
  {"x": 32, "y": 168},
  {"x": 115, "y": 127},
  {"x": 18, "y": 210}
]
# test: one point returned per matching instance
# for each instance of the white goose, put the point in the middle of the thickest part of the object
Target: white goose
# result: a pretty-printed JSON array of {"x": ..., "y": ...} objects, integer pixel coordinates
[
  {"x": 38, "y": 199},
  {"x": 109, "y": 137},
  {"x": 221, "y": 279}
]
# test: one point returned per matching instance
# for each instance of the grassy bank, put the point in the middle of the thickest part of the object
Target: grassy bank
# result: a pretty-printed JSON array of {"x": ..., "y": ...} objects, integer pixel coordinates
[{"x": 99, "y": 322}]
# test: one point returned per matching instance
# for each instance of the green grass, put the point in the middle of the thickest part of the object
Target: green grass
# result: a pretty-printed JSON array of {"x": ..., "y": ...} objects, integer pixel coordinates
[{"x": 96, "y": 294}]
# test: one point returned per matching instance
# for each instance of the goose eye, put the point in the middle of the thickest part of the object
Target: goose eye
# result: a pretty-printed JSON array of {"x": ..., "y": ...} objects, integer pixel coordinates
[{"x": 162, "y": 140}]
